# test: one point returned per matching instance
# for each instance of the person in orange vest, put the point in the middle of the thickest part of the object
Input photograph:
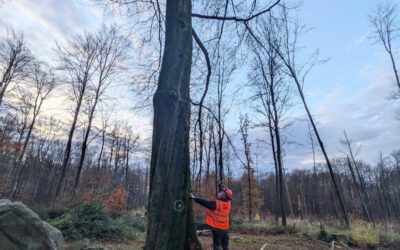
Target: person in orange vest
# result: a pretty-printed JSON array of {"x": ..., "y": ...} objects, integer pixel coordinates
[{"x": 217, "y": 217}]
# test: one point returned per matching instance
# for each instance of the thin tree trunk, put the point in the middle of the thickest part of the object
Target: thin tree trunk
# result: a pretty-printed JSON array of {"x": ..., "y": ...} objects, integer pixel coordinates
[
  {"x": 249, "y": 193},
  {"x": 127, "y": 151},
  {"x": 197, "y": 178},
  {"x": 220, "y": 158},
  {"x": 103, "y": 139},
  {"x": 396, "y": 74},
  {"x": 289, "y": 201},
  {"x": 311, "y": 119},
  {"x": 6, "y": 78},
  {"x": 18, "y": 167},
  {"x": 363, "y": 205},
  {"x": 360, "y": 178},
  {"x": 316, "y": 191},
  {"x": 278, "y": 156},
  {"x": 85, "y": 141},
  {"x": 281, "y": 204},
  {"x": 276, "y": 168},
  {"x": 215, "y": 165},
  {"x": 208, "y": 160},
  {"x": 68, "y": 148},
  {"x": 316, "y": 186},
  {"x": 2, "y": 92}
]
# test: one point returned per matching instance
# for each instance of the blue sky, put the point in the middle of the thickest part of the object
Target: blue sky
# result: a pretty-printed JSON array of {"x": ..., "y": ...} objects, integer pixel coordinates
[
  {"x": 349, "y": 92},
  {"x": 340, "y": 32}
]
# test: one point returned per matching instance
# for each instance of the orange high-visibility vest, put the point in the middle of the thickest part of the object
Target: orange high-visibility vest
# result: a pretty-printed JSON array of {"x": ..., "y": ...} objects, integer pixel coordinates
[{"x": 219, "y": 218}]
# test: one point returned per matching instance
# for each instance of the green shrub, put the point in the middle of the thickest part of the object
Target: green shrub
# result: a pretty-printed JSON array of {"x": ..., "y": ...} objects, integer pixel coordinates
[
  {"x": 137, "y": 223},
  {"x": 94, "y": 222},
  {"x": 132, "y": 227},
  {"x": 88, "y": 221}
]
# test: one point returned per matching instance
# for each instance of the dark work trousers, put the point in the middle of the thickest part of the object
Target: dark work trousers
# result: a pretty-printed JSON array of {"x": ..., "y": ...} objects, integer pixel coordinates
[{"x": 220, "y": 239}]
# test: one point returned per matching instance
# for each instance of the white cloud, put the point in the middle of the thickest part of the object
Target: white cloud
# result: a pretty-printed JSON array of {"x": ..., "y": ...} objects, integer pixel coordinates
[
  {"x": 46, "y": 21},
  {"x": 368, "y": 117},
  {"x": 359, "y": 41}
]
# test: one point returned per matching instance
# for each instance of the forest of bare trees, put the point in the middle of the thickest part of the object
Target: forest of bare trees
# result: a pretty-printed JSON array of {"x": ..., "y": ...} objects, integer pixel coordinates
[
  {"x": 190, "y": 53},
  {"x": 41, "y": 161}
]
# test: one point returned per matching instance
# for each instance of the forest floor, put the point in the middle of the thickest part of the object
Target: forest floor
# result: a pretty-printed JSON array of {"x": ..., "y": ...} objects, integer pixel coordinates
[
  {"x": 127, "y": 231},
  {"x": 242, "y": 242},
  {"x": 270, "y": 242}
]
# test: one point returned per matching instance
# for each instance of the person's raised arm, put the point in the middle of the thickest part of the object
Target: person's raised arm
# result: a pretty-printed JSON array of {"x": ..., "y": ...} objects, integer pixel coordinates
[{"x": 205, "y": 203}]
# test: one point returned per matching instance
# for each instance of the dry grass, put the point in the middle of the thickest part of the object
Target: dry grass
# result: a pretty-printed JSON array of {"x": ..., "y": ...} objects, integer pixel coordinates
[
  {"x": 361, "y": 233},
  {"x": 237, "y": 242},
  {"x": 271, "y": 242},
  {"x": 300, "y": 234}
]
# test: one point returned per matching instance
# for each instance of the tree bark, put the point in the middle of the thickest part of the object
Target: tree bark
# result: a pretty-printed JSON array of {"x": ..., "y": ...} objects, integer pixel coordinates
[{"x": 170, "y": 223}]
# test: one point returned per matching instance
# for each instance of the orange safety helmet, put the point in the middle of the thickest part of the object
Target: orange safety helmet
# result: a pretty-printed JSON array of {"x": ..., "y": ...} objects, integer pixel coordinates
[{"x": 228, "y": 193}]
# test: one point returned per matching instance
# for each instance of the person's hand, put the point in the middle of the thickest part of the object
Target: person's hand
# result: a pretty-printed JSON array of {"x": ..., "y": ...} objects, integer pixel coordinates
[{"x": 191, "y": 196}]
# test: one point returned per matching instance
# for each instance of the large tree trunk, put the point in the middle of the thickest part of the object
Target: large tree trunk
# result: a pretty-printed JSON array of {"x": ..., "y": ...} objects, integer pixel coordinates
[{"x": 171, "y": 224}]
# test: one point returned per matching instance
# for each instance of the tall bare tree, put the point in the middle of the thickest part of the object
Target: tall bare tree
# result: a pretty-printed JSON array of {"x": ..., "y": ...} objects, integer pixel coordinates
[
  {"x": 105, "y": 120},
  {"x": 386, "y": 30},
  {"x": 111, "y": 54},
  {"x": 244, "y": 126},
  {"x": 315, "y": 174},
  {"x": 43, "y": 81},
  {"x": 15, "y": 58},
  {"x": 78, "y": 63},
  {"x": 287, "y": 47},
  {"x": 23, "y": 108},
  {"x": 130, "y": 144},
  {"x": 359, "y": 184},
  {"x": 272, "y": 93}
]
